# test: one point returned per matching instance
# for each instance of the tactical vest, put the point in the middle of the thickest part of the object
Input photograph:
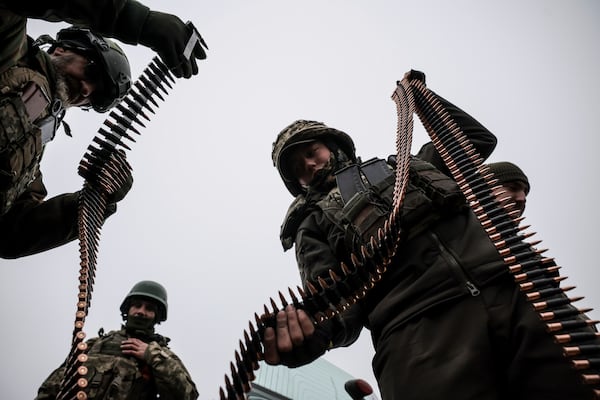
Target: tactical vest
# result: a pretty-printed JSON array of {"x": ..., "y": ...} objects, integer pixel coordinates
[
  {"x": 24, "y": 100},
  {"x": 363, "y": 198},
  {"x": 111, "y": 375}
]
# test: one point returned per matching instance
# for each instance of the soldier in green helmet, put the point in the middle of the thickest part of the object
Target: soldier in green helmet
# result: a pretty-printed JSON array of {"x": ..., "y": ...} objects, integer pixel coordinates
[
  {"x": 133, "y": 362},
  {"x": 447, "y": 320},
  {"x": 81, "y": 68}
]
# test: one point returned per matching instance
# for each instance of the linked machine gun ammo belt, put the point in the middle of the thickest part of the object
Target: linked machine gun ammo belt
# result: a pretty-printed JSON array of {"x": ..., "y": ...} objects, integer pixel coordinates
[
  {"x": 104, "y": 169},
  {"x": 535, "y": 274},
  {"x": 323, "y": 300}
]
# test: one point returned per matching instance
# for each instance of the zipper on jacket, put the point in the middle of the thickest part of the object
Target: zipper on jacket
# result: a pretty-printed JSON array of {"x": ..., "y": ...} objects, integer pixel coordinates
[
  {"x": 456, "y": 267},
  {"x": 472, "y": 288}
]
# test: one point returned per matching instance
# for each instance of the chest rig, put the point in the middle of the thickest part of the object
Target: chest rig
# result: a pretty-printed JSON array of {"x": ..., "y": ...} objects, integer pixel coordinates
[
  {"x": 113, "y": 375},
  {"x": 364, "y": 196},
  {"x": 28, "y": 119}
]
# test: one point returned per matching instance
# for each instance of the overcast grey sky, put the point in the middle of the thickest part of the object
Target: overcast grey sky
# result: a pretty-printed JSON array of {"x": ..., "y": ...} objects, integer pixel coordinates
[{"x": 204, "y": 213}]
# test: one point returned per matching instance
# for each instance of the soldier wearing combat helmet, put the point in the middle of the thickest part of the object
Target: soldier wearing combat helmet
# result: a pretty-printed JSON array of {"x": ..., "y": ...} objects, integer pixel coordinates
[
  {"x": 133, "y": 362},
  {"x": 305, "y": 134},
  {"x": 447, "y": 320},
  {"x": 81, "y": 68}
]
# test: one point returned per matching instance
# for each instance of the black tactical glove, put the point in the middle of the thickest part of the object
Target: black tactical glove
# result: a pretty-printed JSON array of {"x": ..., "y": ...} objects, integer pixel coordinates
[
  {"x": 413, "y": 75},
  {"x": 167, "y": 35}
]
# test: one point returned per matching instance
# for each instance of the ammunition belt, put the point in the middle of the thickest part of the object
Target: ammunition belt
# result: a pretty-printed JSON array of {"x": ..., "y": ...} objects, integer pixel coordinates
[
  {"x": 104, "y": 169},
  {"x": 325, "y": 299},
  {"x": 536, "y": 275}
]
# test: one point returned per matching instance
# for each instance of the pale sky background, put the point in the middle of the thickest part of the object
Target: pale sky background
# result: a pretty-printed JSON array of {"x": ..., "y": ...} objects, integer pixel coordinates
[{"x": 204, "y": 213}]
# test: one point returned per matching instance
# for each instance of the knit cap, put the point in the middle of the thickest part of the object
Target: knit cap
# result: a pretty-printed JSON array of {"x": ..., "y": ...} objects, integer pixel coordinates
[{"x": 506, "y": 171}]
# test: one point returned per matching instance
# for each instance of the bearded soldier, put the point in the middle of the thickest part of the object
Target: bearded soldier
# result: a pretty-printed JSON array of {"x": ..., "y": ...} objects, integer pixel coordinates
[
  {"x": 80, "y": 69},
  {"x": 133, "y": 362}
]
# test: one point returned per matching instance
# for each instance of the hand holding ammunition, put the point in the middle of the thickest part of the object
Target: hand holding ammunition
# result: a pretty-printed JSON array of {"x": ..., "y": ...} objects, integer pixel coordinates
[
  {"x": 414, "y": 75},
  {"x": 295, "y": 340},
  {"x": 168, "y": 35},
  {"x": 120, "y": 171}
]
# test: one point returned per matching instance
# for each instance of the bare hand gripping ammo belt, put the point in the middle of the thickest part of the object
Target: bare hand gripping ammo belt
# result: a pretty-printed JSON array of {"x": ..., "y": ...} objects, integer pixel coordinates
[
  {"x": 536, "y": 276},
  {"x": 104, "y": 169}
]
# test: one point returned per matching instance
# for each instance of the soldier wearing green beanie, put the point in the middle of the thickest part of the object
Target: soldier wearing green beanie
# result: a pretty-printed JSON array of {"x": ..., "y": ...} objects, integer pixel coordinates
[{"x": 513, "y": 180}]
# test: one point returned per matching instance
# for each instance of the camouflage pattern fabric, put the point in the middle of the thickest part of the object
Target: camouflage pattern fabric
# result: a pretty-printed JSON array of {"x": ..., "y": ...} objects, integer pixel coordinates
[
  {"x": 111, "y": 375},
  {"x": 20, "y": 151}
]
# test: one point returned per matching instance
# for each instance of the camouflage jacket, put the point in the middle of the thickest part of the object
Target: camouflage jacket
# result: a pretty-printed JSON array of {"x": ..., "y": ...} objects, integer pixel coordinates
[
  {"x": 111, "y": 375},
  {"x": 31, "y": 224}
]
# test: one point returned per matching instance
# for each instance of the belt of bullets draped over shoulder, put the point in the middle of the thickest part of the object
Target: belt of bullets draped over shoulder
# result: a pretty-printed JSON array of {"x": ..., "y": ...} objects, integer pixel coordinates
[
  {"x": 536, "y": 276},
  {"x": 104, "y": 169}
]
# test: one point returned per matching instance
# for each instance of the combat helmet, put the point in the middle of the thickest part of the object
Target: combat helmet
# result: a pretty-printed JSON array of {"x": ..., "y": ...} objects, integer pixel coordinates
[
  {"x": 149, "y": 290},
  {"x": 109, "y": 65},
  {"x": 305, "y": 131}
]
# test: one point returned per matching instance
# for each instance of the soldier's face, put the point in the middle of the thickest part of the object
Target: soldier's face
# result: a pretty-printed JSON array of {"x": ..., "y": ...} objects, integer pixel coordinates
[
  {"x": 516, "y": 191},
  {"x": 71, "y": 69},
  {"x": 306, "y": 159},
  {"x": 142, "y": 308}
]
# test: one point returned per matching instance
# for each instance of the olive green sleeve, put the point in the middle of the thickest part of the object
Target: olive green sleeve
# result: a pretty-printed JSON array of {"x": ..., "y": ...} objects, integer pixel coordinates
[
  {"x": 120, "y": 19},
  {"x": 33, "y": 225},
  {"x": 479, "y": 136},
  {"x": 319, "y": 248}
]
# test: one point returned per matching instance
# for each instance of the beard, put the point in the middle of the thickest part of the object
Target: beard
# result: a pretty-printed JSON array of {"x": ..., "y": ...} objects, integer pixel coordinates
[{"x": 66, "y": 88}]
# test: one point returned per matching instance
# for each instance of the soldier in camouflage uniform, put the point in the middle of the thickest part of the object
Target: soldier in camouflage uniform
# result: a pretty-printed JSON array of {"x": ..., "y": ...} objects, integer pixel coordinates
[
  {"x": 80, "y": 69},
  {"x": 133, "y": 362},
  {"x": 447, "y": 320}
]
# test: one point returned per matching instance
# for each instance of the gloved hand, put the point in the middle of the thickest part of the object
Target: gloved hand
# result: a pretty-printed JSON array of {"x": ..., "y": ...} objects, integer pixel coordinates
[
  {"x": 118, "y": 172},
  {"x": 168, "y": 35},
  {"x": 413, "y": 75}
]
